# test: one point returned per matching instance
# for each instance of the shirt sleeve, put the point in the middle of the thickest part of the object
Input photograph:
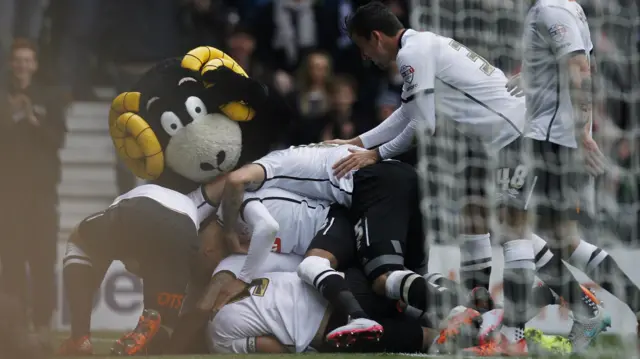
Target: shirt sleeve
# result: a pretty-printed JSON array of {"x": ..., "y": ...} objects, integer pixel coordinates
[
  {"x": 560, "y": 29},
  {"x": 400, "y": 144},
  {"x": 418, "y": 71},
  {"x": 264, "y": 230},
  {"x": 386, "y": 130},
  {"x": 205, "y": 207}
]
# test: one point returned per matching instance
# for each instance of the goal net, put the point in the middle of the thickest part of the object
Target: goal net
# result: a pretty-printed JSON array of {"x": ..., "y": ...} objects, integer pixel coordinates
[{"x": 492, "y": 29}]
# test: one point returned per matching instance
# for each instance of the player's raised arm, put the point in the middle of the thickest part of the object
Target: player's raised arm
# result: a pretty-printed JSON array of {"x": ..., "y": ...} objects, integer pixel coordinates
[
  {"x": 561, "y": 32},
  {"x": 249, "y": 177},
  {"x": 264, "y": 229}
]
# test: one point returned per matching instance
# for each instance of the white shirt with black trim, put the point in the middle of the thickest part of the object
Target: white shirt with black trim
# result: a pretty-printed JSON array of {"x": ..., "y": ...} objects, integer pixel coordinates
[
  {"x": 281, "y": 304},
  {"x": 171, "y": 199},
  {"x": 554, "y": 29},
  {"x": 467, "y": 90},
  {"x": 277, "y": 221}
]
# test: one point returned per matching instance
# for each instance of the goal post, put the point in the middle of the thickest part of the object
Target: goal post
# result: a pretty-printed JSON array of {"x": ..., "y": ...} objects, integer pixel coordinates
[{"x": 493, "y": 29}]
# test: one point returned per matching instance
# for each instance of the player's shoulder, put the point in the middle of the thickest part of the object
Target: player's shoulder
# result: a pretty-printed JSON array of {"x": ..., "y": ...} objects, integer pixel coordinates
[
  {"x": 148, "y": 190},
  {"x": 544, "y": 8},
  {"x": 415, "y": 43}
]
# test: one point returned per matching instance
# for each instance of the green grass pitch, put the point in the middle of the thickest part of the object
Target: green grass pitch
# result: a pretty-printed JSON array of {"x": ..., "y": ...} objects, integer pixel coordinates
[{"x": 606, "y": 346}]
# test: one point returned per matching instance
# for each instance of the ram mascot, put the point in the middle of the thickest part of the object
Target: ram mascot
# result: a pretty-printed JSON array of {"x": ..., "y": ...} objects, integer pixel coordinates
[{"x": 186, "y": 121}]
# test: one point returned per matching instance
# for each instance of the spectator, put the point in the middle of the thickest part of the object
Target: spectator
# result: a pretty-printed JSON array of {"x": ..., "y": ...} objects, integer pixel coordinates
[
  {"x": 241, "y": 47},
  {"x": 389, "y": 97},
  {"x": 207, "y": 21},
  {"x": 33, "y": 131},
  {"x": 286, "y": 30},
  {"x": 342, "y": 121},
  {"x": 312, "y": 99}
]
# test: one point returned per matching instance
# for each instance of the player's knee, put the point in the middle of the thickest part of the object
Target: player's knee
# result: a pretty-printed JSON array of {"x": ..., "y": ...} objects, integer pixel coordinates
[
  {"x": 379, "y": 284},
  {"x": 317, "y": 252},
  {"x": 311, "y": 269},
  {"x": 562, "y": 234}
]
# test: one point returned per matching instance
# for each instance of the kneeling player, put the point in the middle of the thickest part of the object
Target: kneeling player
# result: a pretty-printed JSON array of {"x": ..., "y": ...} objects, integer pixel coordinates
[{"x": 154, "y": 232}]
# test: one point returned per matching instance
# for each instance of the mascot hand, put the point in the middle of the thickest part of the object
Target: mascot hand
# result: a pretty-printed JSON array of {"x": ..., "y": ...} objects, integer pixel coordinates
[{"x": 232, "y": 86}]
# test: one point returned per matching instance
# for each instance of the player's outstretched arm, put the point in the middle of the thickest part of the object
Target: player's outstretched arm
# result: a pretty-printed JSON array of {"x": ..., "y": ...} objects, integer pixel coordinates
[
  {"x": 249, "y": 177},
  {"x": 264, "y": 230}
]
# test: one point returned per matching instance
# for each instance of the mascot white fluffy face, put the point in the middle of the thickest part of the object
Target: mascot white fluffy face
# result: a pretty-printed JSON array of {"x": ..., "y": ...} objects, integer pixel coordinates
[{"x": 183, "y": 120}]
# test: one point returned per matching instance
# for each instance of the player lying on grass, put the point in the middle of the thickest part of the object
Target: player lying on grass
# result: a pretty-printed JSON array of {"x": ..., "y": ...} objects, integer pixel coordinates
[
  {"x": 154, "y": 232},
  {"x": 279, "y": 313},
  {"x": 472, "y": 93}
]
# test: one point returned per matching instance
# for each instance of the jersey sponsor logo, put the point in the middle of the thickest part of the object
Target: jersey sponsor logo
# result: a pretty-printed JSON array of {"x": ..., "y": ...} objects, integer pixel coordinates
[
  {"x": 407, "y": 73},
  {"x": 557, "y": 32},
  {"x": 277, "y": 245}
]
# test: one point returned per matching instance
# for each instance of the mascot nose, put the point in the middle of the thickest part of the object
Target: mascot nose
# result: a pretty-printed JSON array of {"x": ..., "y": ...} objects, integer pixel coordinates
[
  {"x": 206, "y": 166},
  {"x": 220, "y": 157}
]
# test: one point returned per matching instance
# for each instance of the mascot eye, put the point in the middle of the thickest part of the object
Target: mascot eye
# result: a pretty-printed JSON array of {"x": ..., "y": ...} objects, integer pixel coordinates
[
  {"x": 195, "y": 107},
  {"x": 170, "y": 123}
]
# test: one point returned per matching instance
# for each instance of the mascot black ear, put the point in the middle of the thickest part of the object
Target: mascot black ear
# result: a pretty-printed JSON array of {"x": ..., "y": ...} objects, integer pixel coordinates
[
  {"x": 136, "y": 143},
  {"x": 238, "y": 94}
]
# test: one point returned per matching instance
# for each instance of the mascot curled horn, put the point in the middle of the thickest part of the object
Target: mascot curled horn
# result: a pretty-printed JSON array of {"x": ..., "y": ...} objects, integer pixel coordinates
[
  {"x": 192, "y": 119},
  {"x": 188, "y": 121}
]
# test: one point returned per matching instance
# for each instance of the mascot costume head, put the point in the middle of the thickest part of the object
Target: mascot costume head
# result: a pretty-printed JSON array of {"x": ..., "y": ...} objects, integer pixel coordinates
[{"x": 190, "y": 119}]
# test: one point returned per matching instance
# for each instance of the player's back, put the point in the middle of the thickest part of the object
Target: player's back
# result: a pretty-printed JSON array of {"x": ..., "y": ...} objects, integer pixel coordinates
[
  {"x": 299, "y": 218},
  {"x": 470, "y": 90},
  {"x": 553, "y": 29},
  {"x": 278, "y": 304},
  {"x": 307, "y": 170},
  {"x": 170, "y": 199}
]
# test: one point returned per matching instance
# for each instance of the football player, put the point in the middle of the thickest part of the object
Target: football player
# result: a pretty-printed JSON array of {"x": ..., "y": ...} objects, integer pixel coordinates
[
  {"x": 279, "y": 313},
  {"x": 154, "y": 232}
]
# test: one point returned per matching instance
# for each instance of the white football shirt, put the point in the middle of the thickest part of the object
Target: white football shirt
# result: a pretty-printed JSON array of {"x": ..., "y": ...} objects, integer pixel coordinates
[
  {"x": 279, "y": 304},
  {"x": 171, "y": 199},
  {"x": 553, "y": 29},
  {"x": 307, "y": 170},
  {"x": 467, "y": 88},
  {"x": 299, "y": 218}
]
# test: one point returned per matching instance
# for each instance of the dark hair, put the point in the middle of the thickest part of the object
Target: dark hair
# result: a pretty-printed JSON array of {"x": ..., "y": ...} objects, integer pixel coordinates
[{"x": 374, "y": 16}]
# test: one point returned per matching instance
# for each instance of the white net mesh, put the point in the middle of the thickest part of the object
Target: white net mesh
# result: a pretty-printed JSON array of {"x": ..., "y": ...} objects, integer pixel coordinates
[{"x": 492, "y": 28}]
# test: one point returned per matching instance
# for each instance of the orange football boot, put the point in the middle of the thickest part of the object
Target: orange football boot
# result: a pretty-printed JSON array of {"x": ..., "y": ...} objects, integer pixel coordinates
[{"x": 135, "y": 342}]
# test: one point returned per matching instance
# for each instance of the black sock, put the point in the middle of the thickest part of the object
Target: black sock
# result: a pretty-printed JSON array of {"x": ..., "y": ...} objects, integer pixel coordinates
[
  {"x": 607, "y": 273},
  {"x": 429, "y": 297},
  {"x": 335, "y": 290},
  {"x": 475, "y": 278},
  {"x": 517, "y": 290},
  {"x": 79, "y": 284},
  {"x": 558, "y": 277}
]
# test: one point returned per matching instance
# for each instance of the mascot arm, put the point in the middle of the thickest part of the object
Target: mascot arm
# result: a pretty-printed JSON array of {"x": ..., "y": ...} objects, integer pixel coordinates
[{"x": 264, "y": 230}]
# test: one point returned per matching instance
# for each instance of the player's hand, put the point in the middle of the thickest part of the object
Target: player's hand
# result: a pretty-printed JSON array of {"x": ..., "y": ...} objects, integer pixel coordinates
[
  {"x": 228, "y": 292},
  {"x": 594, "y": 159},
  {"x": 356, "y": 160},
  {"x": 514, "y": 86}
]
